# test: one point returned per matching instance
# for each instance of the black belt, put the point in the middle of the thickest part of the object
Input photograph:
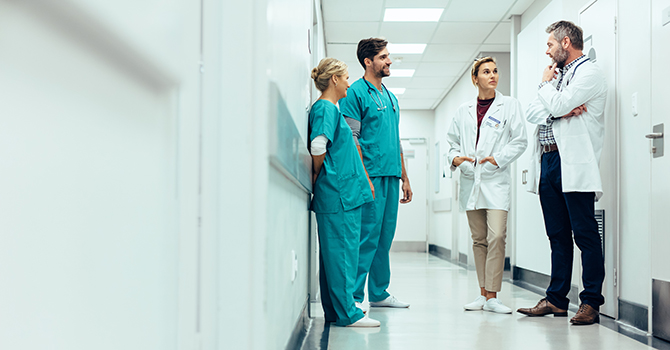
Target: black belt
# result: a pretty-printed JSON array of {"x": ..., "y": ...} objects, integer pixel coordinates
[{"x": 549, "y": 148}]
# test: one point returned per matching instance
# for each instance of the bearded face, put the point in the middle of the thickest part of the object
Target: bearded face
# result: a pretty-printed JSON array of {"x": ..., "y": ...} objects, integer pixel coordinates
[
  {"x": 381, "y": 64},
  {"x": 560, "y": 56}
]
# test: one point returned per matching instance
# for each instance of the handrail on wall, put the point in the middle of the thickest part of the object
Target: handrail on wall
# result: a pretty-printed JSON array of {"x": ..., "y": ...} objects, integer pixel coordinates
[{"x": 287, "y": 149}]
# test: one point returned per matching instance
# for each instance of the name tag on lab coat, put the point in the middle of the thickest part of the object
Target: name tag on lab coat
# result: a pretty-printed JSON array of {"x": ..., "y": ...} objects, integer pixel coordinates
[{"x": 492, "y": 122}]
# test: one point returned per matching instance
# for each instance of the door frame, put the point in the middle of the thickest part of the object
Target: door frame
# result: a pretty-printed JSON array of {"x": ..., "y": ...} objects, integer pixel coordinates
[{"x": 611, "y": 274}]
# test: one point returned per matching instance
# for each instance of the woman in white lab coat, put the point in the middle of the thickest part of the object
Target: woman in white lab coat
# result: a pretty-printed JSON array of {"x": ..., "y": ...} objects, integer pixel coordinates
[{"x": 487, "y": 134}]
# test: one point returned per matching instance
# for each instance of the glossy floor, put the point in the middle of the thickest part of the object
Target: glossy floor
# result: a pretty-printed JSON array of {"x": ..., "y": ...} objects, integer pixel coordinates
[{"x": 437, "y": 291}]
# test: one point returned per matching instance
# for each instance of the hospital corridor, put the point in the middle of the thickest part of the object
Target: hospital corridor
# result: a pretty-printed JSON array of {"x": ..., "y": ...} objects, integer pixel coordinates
[{"x": 334, "y": 174}]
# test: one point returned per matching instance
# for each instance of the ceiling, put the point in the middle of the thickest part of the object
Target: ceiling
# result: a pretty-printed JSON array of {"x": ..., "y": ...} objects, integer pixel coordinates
[{"x": 466, "y": 28}]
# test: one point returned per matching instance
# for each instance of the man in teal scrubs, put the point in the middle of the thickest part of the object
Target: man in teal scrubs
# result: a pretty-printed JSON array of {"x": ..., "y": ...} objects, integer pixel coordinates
[{"x": 373, "y": 114}]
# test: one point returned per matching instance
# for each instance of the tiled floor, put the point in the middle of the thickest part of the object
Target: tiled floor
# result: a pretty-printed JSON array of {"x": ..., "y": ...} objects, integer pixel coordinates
[{"x": 437, "y": 290}]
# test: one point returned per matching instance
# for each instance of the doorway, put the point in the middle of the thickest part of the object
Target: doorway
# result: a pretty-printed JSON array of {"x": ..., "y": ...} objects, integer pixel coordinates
[{"x": 412, "y": 229}]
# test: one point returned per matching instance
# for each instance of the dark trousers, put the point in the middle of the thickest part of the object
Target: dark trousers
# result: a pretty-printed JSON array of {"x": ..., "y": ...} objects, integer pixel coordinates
[{"x": 566, "y": 214}]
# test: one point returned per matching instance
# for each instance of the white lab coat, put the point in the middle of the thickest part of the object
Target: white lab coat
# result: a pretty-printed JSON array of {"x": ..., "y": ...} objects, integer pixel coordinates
[
  {"x": 502, "y": 135},
  {"x": 579, "y": 139}
]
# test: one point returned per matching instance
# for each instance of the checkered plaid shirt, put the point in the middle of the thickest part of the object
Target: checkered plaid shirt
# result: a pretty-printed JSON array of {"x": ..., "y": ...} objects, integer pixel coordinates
[{"x": 546, "y": 131}]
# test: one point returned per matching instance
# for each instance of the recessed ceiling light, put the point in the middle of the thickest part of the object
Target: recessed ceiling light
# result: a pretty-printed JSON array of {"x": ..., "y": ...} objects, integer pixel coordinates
[
  {"x": 412, "y": 15},
  {"x": 402, "y": 73},
  {"x": 406, "y": 48},
  {"x": 397, "y": 91}
]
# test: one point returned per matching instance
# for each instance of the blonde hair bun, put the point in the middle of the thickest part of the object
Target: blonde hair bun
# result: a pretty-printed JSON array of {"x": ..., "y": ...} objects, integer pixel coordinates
[{"x": 325, "y": 70}]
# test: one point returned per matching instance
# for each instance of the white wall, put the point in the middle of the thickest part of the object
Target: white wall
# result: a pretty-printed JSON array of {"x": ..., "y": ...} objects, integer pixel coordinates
[
  {"x": 98, "y": 211},
  {"x": 417, "y": 123},
  {"x": 634, "y": 76},
  {"x": 413, "y": 220},
  {"x": 265, "y": 213},
  {"x": 138, "y": 196},
  {"x": 443, "y": 228},
  {"x": 532, "y": 244}
]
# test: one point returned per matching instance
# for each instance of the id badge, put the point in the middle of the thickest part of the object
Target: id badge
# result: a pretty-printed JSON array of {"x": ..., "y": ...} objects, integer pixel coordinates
[{"x": 492, "y": 122}]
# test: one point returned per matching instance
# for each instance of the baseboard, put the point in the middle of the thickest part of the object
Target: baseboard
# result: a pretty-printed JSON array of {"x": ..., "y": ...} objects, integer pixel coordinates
[
  {"x": 445, "y": 254},
  {"x": 463, "y": 259},
  {"x": 300, "y": 330},
  {"x": 440, "y": 252},
  {"x": 634, "y": 314},
  {"x": 660, "y": 304},
  {"x": 538, "y": 282},
  {"x": 409, "y": 246}
]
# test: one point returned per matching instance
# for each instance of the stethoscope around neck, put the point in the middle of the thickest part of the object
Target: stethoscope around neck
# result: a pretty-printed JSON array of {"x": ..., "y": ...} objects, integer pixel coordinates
[{"x": 380, "y": 103}]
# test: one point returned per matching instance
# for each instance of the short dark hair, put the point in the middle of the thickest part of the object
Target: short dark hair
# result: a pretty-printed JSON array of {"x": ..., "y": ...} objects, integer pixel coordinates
[
  {"x": 561, "y": 29},
  {"x": 369, "y": 48}
]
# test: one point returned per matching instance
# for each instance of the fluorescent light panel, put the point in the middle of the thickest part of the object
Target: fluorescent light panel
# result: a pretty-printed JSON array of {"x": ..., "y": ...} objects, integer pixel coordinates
[
  {"x": 402, "y": 73},
  {"x": 395, "y": 49},
  {"x": 412, "y": 15},
  {"x": 397, "y": 91}
]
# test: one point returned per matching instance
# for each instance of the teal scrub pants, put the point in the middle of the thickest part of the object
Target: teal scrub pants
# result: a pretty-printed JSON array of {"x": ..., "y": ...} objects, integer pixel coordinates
[
  {"x": 379, "y": 220},
  {"x": 338, "y": 238}
]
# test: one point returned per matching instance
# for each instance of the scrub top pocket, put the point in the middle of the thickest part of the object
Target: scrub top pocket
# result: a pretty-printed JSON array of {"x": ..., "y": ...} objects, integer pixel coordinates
[{"x": 351, "y": 187}]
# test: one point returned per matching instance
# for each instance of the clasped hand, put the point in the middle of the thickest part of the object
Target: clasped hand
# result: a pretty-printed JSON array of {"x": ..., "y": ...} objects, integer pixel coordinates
[{"x": 459, "y": 160}]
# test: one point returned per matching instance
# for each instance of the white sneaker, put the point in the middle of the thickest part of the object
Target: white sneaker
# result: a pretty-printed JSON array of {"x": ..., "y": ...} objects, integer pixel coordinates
[
  {"x": 362, "y": 307},
  {"x": 365, "y": 322},
  {"x": 495, "y": 305},
  {"x": 391, "y": 301},
  {"x": 478, "y": 304}
]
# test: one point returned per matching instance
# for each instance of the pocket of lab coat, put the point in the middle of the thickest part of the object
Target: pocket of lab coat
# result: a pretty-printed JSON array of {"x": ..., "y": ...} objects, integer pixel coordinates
[
  {"x": 467, "y": 169},
  {"x": 488, "y": 170},
  {"x": 576, "y": 149}
]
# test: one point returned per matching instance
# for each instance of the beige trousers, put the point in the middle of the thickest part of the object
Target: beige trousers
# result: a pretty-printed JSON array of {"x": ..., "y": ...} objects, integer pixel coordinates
[{"x": 489, "y": 230}]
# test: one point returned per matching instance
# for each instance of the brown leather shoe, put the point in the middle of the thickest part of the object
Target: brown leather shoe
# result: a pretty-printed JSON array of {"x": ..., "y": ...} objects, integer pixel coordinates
[
  {"x": 543, "y": 307},
  {"x": 587, "y": 314}
]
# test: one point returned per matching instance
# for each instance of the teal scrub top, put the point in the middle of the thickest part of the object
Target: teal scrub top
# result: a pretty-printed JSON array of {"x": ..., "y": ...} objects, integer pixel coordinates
[
  {"x": 341, "y": 184},
  {"x": 380, "y": 134}
]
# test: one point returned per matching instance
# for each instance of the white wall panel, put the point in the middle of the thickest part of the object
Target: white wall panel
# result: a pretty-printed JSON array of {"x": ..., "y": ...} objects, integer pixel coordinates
[
  {"x": 90, "y": 231},
  {"x": 532, "y": 244},
  {"x": 635, "y": 59},
  {"x": 447, "y": 230}
]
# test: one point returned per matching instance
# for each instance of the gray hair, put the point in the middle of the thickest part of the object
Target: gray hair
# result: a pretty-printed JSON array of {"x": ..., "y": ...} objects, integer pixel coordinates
[{"x": 561, "y": 29}]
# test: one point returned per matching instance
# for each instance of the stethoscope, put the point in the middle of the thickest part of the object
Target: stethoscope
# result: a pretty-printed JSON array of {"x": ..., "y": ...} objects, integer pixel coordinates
[
  {"x": 380, "y": 104},
  {"x": 567, "y": 81}
]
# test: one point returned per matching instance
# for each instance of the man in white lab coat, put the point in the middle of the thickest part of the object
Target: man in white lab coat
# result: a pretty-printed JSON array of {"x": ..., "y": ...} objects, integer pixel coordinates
[{"x": 569, "y": 113}]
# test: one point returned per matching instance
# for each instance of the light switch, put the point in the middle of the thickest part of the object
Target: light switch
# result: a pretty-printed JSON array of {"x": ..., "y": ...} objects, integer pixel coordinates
[{"x": 634, "y": 104}]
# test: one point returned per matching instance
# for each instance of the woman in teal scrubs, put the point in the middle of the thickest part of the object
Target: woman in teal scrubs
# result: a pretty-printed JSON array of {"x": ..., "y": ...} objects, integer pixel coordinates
[{"x": 341, "y": 187}]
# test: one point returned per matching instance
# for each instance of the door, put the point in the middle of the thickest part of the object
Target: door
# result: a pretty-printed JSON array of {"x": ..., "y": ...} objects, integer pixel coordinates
[
  {"x": 660, "y": 168},
  {"x": 412, "y": 230},
  {"x": 598, "y": 21}
]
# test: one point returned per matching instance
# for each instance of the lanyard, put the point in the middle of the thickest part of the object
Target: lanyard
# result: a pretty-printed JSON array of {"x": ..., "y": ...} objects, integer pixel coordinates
[{"x": 380, "y": 104}]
